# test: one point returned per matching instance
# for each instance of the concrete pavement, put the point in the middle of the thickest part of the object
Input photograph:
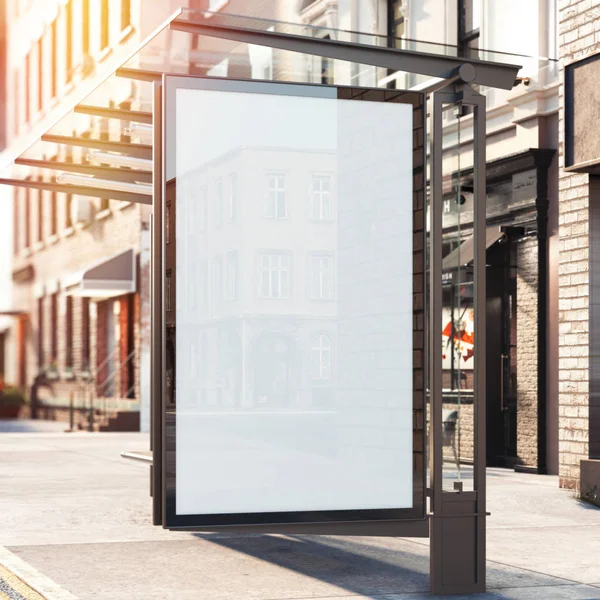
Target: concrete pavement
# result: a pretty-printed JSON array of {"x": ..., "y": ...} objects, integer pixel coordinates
[{"x": 75, "y": 513}]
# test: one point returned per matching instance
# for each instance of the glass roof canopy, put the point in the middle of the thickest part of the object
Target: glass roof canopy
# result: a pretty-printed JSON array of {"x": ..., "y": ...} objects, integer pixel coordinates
[{"x": 103, "y": 138}]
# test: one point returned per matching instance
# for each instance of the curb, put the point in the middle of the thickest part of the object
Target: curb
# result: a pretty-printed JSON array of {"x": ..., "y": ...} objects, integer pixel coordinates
[{"x": 44, "y": 586}]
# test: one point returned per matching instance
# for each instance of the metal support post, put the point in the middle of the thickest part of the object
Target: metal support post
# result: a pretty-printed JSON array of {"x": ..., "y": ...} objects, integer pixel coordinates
[{"x": 458, "y": 518}]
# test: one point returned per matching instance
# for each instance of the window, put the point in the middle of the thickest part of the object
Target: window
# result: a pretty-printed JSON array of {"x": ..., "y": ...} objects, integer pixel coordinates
[
  {"x": 219, "y": 203},
  {"x": 320, "y": 198},
  {"x": 275, "y": 207},
  {"x": 397, "y": 25},
  {"x": 326, "y": 67},
  {"x": 40, "y": 336},
  {"x": 322, "y": 277},
  {"x": 104, "y": 24},
  {"x": 16, "y": 216},
  {"x": 125, "y": 14},
  {"x": 54, "y": 58},
  {"x": 217, "y": 280},
  {"x": 27, "y": 217},
  {"x": 469, "y": 17},
  {"x": 274, "y": 276},
  {"x": 199, "y": 284},
  {"x": 69, "y": 40},
  {"x": 17, "y": 102},
  {"x": 85, "y": 27},
  {"x": 196, "y": 207},
  {"x": 28, "y": 60},
  {"x": 40, "y": 215},
  {"x": 85, "y": 334},
  {"x": 68, "y": 210},
  {"x": 53, "y": 214},
  {"x": 232, "y": 200},
  {"x": 168, "y": 291},
  {"x": 69, "y": 332},
  {"x": 54, "y": 327},
  {"x": 231, "y": 276},
  {"x": 40, "y": 65},
  {"x": 321, "y": 357}
]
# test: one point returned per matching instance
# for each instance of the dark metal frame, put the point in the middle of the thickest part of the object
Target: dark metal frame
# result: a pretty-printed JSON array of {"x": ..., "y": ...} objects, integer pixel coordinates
[
  {"x": 390, "y": 522},
  {"x": 458, "y": 518}
]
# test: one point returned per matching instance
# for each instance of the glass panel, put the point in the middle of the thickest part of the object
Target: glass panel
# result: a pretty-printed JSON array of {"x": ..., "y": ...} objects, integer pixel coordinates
[
  {"x": 458, "y": 309},
  {"x": 310, "y": 370}
]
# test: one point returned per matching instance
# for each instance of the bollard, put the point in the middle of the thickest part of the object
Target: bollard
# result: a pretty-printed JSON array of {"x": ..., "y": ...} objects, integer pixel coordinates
[{"x": 71, "y": 415}]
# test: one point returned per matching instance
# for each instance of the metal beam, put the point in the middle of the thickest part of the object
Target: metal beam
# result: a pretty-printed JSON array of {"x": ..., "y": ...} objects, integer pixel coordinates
[
  {"x": 498, "y": 75},
  {"x": 127, "y": 175},
  {"x": 140, "y": 74},
  {"x": 114, "y": 113},
  {"x": 78, "y": 190},
  {"x": 137, "y": 150}
]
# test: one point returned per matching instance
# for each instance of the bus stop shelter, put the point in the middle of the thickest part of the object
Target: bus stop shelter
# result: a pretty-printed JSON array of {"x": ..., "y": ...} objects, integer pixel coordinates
[{"x": 225, "y": 67}]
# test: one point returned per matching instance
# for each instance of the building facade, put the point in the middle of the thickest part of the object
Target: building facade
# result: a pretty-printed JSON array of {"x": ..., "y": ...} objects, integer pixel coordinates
[{"x": 538, "y": 310}]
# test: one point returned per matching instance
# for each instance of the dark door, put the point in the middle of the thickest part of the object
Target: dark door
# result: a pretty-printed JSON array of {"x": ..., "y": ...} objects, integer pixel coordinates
[{"x": 500, "y": 401}]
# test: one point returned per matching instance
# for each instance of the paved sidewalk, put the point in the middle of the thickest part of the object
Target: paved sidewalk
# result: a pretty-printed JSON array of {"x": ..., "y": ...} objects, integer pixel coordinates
[{"x": 78, "y": 514}]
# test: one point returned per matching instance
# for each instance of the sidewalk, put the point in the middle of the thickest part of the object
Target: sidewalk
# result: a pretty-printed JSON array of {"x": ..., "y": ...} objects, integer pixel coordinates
[{"x": 77, "y": 513}]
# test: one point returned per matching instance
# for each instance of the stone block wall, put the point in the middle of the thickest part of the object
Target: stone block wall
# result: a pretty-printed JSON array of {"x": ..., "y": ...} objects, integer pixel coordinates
[
  {"x": 527, "y": 351},
  {"x": 579, "y": 36}
]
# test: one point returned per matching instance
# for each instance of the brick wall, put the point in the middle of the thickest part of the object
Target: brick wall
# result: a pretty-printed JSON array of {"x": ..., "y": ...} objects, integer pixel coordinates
[
  {"x": 579, "y": 29},
  {"x": 527, "y": 351}
]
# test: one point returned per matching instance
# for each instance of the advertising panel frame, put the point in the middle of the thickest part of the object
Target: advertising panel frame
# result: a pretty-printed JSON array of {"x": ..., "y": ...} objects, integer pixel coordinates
[{"x": 393, "y": 522}]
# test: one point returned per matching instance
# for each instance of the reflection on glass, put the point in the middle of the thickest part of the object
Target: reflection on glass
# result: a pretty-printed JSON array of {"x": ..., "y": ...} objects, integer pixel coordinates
[
  {"x": 294, "y": 377},
  {"x": 458, "y": 318}
]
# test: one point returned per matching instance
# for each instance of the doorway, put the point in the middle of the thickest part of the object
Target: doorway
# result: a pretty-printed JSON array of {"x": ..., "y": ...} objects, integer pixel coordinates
[{"x": 501, "y": 347}]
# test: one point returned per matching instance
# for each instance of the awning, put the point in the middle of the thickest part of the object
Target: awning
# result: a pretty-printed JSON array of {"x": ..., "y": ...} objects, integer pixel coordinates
[
  {"x": 107, "y": 279},
  {"x": 463, "y": 255}
]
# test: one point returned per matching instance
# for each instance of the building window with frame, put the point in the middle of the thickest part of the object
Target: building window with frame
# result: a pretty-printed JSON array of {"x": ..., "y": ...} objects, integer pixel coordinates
[
  {"x": 104, "y": 24},
  {"x": 217, "y": 279},
  {"x": 125, "y": 14},
  {"x": 85, "y": 27},
  {"x": 321, "y": 357},
  {"x": 53, "y": 214},
  {"x": 321, "y": 269},
  {"x": 40, "y": 336},
  {"x": 218, "y": 203},
  {"x": 275, "y": 202},
  {"x": 54, "y": 59},
  {"x": 85, "y": 335},
  {"x": 69, "y": 41},
  {"x": 231, "y": 275},
  {"x": 17, "y": 102},
  {"x": 232, "y": 198},
  {"x": 469, "y": 17},
  {"x": 54, "y": 328},
  {"x": 320, "y": 198},
  {"x": 68, "y": 211},
  {"x": 27, "y": 226},
  {"x": 16, "y": 217},
  {"x": 28, "y": 60},
  {"x": 40, "y": 214},
  {"x": 69, "y": 332},
  {"x": 275, "y": 276},
  {"x": 40, "y": 79}
]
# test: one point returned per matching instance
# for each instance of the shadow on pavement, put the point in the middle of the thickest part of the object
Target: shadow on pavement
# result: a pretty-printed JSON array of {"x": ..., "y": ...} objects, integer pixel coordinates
[
  {"x": 367, "y": 569},
  {"x": 31, "y": 426}
]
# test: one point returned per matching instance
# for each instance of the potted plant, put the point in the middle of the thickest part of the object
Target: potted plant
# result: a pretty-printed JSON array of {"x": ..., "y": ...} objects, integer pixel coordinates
[{"x": 12, "y": 400}]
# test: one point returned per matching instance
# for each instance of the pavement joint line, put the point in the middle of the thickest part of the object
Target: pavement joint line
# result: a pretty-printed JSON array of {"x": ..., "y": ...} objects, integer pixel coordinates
[{"x": 37, "y": 581}]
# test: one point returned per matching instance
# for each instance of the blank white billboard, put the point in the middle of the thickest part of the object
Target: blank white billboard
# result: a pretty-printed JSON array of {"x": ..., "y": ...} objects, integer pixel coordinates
[{"x": 293, "y": 301}]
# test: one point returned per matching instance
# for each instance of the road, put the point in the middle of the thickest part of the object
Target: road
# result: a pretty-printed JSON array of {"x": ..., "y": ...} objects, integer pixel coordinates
[{"x": 75, "y": 518}]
